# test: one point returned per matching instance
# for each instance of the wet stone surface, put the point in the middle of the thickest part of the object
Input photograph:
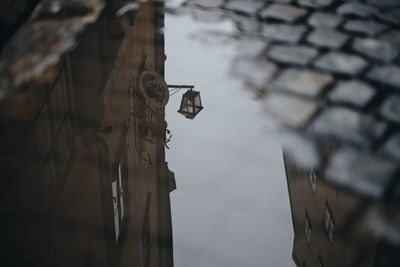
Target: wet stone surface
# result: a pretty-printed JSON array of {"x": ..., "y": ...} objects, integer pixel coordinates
[
  {"x": 324, "y": 20},
  {"x": 353, "y": 92},
  {"x": 208, "y": 3},
  {"x": 340, "y": 123},
  {"x": 301, "y": 55},
  {"x": 392, "y": 16},
  {"x": 369, "y": 28},
  {"x": 327, "y": 38},
  {"x": 284, "y": 32},
  {"x": 283, "y": 12},
  {"x": 392, "y": 37},
  {"x": 391, "y": 108},
  {"x": 362, "y": 173},
  {"x": 244, "y": 7},
  {"x": 306, "y": 83},
  {"x": 293, "y": 112},
  {"x": 389, "y": 74},
  {"x": 254, "y": 72},
  {"x": 376, "y": 49},
  {"x": 356, "y": 9},
  {"x": 383, "y": 3},
  {"x": 392, "y": 146},
  {"x": 315, "y": 3},
  {"x": 341, "y": 63}
]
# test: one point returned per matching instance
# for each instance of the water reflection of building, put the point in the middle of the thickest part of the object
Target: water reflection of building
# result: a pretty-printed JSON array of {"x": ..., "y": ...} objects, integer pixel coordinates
[
  {"x": 84, "y": 177},
  {"x": 326, "y": 222}
]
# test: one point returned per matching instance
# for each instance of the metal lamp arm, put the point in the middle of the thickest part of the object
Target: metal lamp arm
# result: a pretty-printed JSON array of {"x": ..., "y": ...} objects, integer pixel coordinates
[{"x": 176, "y": 88}]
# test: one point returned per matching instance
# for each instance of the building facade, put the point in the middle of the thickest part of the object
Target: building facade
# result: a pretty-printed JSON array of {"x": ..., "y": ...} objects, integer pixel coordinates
[
  {"x": 84, "y": 176},
  {"x": 327, "y": 222}
]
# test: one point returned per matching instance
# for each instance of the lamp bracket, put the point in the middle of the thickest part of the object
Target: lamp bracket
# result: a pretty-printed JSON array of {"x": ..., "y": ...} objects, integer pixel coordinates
[{"x": 173, "y": 88}]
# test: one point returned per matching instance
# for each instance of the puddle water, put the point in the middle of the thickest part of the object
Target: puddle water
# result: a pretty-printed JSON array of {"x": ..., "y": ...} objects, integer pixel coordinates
[{"x": 291, "y": 158}]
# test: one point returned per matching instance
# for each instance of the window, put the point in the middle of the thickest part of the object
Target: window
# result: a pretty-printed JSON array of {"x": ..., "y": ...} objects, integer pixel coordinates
[
  {"x": 329, "y": 223},
  {"x": 307, "y": 229},
  {"x": 118, "y": 202},
  {"x": 312, "y": 178}
]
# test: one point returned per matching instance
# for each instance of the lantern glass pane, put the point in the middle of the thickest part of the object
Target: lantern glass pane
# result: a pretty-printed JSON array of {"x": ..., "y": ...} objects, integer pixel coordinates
[{"x": 197, "y": 100}]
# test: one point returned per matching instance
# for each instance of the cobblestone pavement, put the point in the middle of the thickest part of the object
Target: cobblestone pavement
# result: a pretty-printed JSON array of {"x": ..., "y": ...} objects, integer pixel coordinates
[{"x": 329, "y": 71}]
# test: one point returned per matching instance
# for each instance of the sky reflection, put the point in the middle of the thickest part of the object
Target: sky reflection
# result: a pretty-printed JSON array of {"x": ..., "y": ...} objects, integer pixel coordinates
[{"x": 231, "y": 207}]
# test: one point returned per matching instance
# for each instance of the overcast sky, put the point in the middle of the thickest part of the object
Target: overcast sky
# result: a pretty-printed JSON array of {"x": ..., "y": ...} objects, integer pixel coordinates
[{"x": 231, "y": 207}]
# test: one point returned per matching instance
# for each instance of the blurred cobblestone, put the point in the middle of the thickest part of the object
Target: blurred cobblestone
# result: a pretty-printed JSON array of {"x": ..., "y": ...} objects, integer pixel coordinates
[
  {"x": 370, "y": 27},
  {"x": 303, "y": 82},
  {"x": 389, "y": 74},
  {"x": 341, "y": 63},
  {"x": 293, "y": 112},
  {"x": 284, "y": 32},
  {"x": 376, "y": 49},
  {"x": 245, "y": 7},
  {"x": 360, "y": 172},
  {"x": 353, "y": 92},
  {"x": 330, "y": 72},
  {"x": 283, "y": 12},
  {"x": 339, "y": 123},
  {"x": 324, "y": 20},
  {"x": 301, "y": 55},
  {"x": 356, "y": 9},
  {"x": 327, "y": 38},
  {"x": 315, "y": 3},
  {"x": 391, "y": 108},
  {"x": 392, "y": 146},
  {"x": 392, "y": 16}
]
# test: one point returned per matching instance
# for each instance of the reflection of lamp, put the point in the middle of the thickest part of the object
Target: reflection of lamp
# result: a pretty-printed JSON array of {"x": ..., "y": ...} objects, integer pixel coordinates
[
  {"x": 191, "y": 101},
  {"x": 191, "y": 104}
]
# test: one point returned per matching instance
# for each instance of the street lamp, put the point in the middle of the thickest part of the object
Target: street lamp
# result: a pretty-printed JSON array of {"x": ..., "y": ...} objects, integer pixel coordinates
[
  {"x": 191, "y": 101},
  {"x": 156, "y": 92},
  {"x": 190, "y": 104}
]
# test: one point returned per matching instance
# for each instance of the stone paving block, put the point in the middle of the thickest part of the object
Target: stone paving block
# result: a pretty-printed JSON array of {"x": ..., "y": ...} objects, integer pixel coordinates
[
  {"x": 369, "y": 27},
  {"x": 244, "y": 6},
  {"x": 392, "y": 37},
  {"x": 388, "y": 74},
  {"x": 315, "y": 3},
  {"x": 303, "y": 82},
  {"x": 353, "y": 92},
  {"x": 291, "y": 54},
  {"x": 392, "y": 16},
  {"x": 255, "y": 72},
  {"x": 284, "y": 32},
  {"x": 373, "y": 48},
  {"x": 247, "y": 25},
  {"x": 346, "y": 125},
  {"x": 356, "y": 9},
  {"x": 324, "y": 20},
  {"x": 360, "y": 172},
  {"x": 283, "y": 12},
  {"x": 207, "y": 3},
  {"x": 384, "y": 3},
  {"x": 252, "y": 47},
  {"x": 291, "y": 111},
  {"x": 390, "y": 108},
  {"x": 341, "y": 63},
  {"x": 327, "y": 38},
  {"x": 210, "y": 16},
  {"x": 392, "y": 146}
]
